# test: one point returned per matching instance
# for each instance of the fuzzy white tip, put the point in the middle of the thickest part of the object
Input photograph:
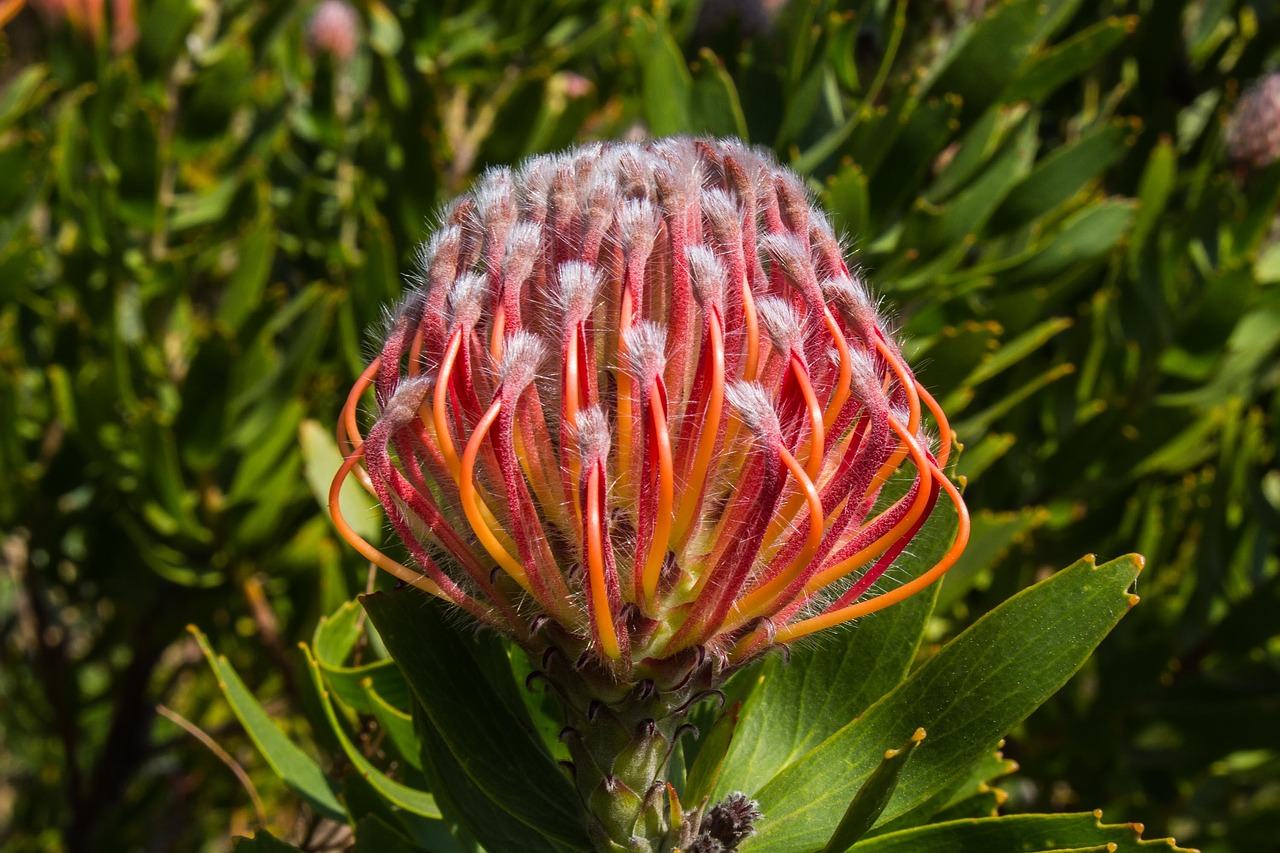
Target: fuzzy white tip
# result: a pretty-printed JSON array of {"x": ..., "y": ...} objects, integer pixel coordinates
[
  {"x": 781, "y": 323},
  {"x": 787, "y": 252},
  {"x": 522, "y": 355},
  {"x": 579, "y": 285},
  {"x": 466, "y": 298},
  {"x": 645, "y": 350},
  {"x": 752, "y": 403},
  {"x": 709, "y": 276},
  {"x": 594, "y": 440}
]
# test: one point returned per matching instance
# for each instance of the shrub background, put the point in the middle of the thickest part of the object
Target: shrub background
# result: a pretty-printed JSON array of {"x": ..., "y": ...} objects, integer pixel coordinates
[{"x": 202, "y": 212}]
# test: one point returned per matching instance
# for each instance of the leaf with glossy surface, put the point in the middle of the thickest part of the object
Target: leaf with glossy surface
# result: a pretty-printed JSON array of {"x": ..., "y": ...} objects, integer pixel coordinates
[
  {"x": 873, "y": 796},
  {"x": 967, "y": 696},
  {"x": 478, "y": 753},
  {"x": 409, "y": 799},
  {"x": 1017, "y": 832},
  {"x": 294, "y": 767}
]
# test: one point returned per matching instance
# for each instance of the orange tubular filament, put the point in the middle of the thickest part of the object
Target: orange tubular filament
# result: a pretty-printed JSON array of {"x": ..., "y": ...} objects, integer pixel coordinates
[
  {"x": 571, "y": 462},
  {"x": 439, "y": 401},
  {"x": 845, "y": 378},
  {"x": 812, "y": 462},
  {"x": 666, "y": 488},
  {"x": 624, "y": 400},
  {"x": 753, "y": 332},
  {"x": 882, "y": 544},
  {"x": 358, "y": 542},
  {"x": 499, "y": 330},
  {"x": 594, "y": 521},
  {"x": 763, "y": 599},
  {"x": 826, "y": 620},
  {"x": 907, "y": 382},
  {"x": 707, "y": 435},
  {"x": 471, "y": 504},
  {"x": 945, "y": 436},
  {"x": 349, "y": 440}
]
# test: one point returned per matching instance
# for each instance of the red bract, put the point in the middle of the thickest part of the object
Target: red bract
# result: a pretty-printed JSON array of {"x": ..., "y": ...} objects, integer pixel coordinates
[{"x": 639, "y": 396}]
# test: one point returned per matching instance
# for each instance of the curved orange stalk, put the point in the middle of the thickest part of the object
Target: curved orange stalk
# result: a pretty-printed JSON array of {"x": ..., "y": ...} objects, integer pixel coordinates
[
  {"x": 348, "y": 432},
  {"x": 595, "y": 566},
  {"x": 753, "y": 332},
  {"x": 813, "y": 460},
  {"x": 945, "y": 436},
  {"x": 367, "y": 550},
  {"x": 696, "y": 483},
  {"x": 845, "y": 377},
  {"x": 882, "y": 544},
  {"x": 438, "y": 402},
  {"x": 623, "y": 379},
  {"x": 760, "y": 600},
  {"x": 499, "y": 329},
  {"x": 472, "y": 506},
  {"x": 803, "y": 628},
  {"x": 666, "y": 488},
  {"x": 415, "y": 351},
  {"x": 905, "y": 379}
]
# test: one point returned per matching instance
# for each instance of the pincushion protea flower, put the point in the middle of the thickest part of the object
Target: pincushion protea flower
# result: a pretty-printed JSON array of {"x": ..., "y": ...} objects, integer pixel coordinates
[{"x": 638, "y": 415}]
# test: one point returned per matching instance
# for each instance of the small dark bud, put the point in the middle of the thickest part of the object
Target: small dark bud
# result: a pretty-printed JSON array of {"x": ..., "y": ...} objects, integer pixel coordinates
[{"x": 726, "y": 825}]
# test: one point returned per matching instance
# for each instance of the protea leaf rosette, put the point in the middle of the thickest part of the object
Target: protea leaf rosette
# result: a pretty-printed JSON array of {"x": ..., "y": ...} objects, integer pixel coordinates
[{"x": 637, "y": 415}]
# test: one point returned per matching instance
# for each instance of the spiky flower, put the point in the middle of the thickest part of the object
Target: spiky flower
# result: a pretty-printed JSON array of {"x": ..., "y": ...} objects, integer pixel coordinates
[
  {"x": 638, "y": 415},
  {"x": 1253, "y": 135}
]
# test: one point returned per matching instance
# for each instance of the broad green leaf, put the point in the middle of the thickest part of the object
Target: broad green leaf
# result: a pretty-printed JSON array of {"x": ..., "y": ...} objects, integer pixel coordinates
[
  {"x": 375, "y": 835},
  {"x": 967, "y": 696},
  {"x": 1158, "y": 179},
  {"x": 987, "y": 57},
  {"x": 1087, "y": 235},
  {"x": 336, "y": 634},
  {"x": 321, "y": 460},
  {"x": 409, "y": 799},
  {"x": 477, "y": 752},
  {"x": 294, "y": 767},
  {"x": 873, "y": 796},
  {"x": 793, "y": 708},
  {"x": 975, "y": 779},
  {"x": 716, "y": 108},
  {"x": 263, "y": 842},
  {"x": 1017, "y": 832},
  {"x": 243, "y": 293},
  {"x": 665, "y": 83},
  {"x": 705, "y": 771},
  {"x": 1064, "y": 62},
  {"x": 1061, "y": 175}
]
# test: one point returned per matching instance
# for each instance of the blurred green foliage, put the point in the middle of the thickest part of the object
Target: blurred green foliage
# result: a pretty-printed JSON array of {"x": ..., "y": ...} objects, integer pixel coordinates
[{"x": 197, "y": 230}]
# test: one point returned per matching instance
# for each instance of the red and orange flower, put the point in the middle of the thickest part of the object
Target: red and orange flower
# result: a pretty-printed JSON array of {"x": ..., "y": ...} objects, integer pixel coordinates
[{"x": 638, "y": 394}]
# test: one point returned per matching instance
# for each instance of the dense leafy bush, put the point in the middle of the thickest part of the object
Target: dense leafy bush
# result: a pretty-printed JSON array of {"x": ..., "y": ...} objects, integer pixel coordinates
[{"x": 201, "y": 216}]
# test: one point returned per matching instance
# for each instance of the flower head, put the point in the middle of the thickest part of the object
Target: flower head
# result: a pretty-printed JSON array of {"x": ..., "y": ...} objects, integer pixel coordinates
[
  {"x": 334, "y": 30},
  {"x": 1253, "y": 134},
  {"x": 639, "y": 409}
]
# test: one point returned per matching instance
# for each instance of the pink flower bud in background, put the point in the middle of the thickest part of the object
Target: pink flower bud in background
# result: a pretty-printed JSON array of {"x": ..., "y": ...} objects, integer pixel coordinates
[
  {"x": 1253, "y": 135},
  {"x": 334, "y": 30}
]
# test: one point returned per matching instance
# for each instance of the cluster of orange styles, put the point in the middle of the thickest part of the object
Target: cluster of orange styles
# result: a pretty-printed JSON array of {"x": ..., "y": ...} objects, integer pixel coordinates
[{"x": 638, "y": 400}]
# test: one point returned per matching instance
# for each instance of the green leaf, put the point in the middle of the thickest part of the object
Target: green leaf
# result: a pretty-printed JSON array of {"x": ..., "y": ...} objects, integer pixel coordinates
[
  {"x": 1158, "y": 179},
  {"x": 479, "y": 754},
  {"x": 1064, "y": 62},
  {"x": 1087, "y": 235},
  {"x": 1017, "y": 832},
  {"x": 263, "y": 842},
  {"x": 708, "y": 764},
  {"x": 992, "y": 535},
  {"x": 1061, "y": 175},
  {"x": 967, "y": 696},
  {"x": 23, "y": 93},
  {"x": 254, "y": 255},
  {"x": 374, "y": 835},
  {"x": 336, "y": 634},
  {"x": 716, "y": 107},
  {"x": 793, "y": 708},
  {"x": 873, "y": 796},
  {"x": 321, "y": 460},
  {"x": 409, "y": 799},
  {"x": 988, "y": 56},
  {"x": 665, "y": 83},
  {"x": 294, "y": 767}
]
